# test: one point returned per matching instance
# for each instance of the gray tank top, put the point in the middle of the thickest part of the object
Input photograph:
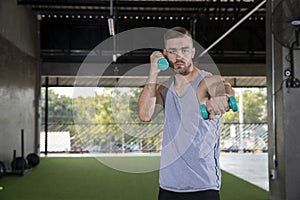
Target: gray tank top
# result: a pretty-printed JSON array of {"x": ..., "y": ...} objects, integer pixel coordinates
[{"x": 190, "y": 145}]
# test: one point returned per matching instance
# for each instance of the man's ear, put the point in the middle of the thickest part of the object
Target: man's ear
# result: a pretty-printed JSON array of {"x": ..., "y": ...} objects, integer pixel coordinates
[
  {"x": 165, "y": 52},
  {"x": 193, "y": 52}
]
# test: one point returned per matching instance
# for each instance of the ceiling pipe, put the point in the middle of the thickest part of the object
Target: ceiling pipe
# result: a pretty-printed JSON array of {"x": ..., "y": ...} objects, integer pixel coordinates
[{"x": 234, "y": 27}]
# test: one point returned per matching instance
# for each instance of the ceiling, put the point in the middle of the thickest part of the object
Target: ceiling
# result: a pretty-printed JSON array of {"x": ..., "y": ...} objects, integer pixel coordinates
[
  {"x": 71, "y": 29},
  {"x": 136, "y": 81}
]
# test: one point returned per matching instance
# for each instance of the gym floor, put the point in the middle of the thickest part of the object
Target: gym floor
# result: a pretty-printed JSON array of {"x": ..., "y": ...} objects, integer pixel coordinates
[
  {"x": 86, "y": 178},
  {"x": 251, "y": 167},
  {"x": 247, "y": 166}
]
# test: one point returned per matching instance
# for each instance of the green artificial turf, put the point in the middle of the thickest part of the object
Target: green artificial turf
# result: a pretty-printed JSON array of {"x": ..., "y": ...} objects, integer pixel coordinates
[
  {"x": 89, "y": 179},
  {"x": 234, "y": 188}
]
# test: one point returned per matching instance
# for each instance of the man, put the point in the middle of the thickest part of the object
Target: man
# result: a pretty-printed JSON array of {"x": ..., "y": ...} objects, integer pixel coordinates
[{"x": 189, "y": 167}]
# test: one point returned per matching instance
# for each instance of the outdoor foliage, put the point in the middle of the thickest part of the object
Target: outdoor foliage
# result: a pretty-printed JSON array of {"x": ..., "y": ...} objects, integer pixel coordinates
[{"x": 104, "y": 121}]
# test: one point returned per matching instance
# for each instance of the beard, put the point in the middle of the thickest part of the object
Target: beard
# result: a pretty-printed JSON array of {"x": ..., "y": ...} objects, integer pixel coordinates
[{"x": 182, "y": 69}]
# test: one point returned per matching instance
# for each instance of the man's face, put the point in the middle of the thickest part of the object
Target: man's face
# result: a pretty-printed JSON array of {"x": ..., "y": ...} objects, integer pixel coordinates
[{"x": 180, "y": 53}]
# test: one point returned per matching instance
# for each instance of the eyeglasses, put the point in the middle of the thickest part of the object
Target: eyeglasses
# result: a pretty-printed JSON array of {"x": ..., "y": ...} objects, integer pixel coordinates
[{"x": 184, "y": 51}]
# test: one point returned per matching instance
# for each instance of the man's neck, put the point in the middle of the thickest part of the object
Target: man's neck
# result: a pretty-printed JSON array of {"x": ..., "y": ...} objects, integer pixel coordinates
[{"x": 182, "y": 81}]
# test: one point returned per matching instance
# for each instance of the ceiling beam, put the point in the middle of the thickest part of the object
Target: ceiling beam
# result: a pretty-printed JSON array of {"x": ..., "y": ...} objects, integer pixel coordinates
[{"x": 134, "y": 69}]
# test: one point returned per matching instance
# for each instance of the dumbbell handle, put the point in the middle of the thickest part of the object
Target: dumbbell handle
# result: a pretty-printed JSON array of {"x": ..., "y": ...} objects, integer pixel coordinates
[
  {"x": 162, "y": 63},
  {"x": 231, "y": 102}
]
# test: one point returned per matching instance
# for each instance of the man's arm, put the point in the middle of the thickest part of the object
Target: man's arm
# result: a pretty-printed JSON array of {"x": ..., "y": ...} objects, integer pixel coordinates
[
  {"x": 151, "y": 99},
  {"x": 214, "y": 92},
  {"x": 150, "y": 102}
]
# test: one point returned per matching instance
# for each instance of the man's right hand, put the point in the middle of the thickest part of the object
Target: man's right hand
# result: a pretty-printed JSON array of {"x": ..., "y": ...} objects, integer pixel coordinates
[{"x": 153, "y": 60}]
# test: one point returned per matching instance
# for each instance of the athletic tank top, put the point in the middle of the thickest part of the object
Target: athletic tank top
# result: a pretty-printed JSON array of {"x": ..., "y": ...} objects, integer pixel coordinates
[{"x": 190, "y": 145}]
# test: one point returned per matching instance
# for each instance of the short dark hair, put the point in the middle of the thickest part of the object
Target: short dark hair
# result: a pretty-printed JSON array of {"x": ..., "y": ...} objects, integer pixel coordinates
[{"x": 177, "y": 32}]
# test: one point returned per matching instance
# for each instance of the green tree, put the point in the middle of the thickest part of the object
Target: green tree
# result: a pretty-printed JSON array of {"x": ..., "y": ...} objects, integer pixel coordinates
[
  {"x": 59, "y": 108},
  {"x": 254, "y": 104}
]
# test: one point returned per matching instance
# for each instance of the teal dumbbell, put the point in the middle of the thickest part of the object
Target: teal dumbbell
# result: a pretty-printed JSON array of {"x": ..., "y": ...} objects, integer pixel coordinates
[
  {"x": 231, "y": 102},
  {"x": 162, "y": 63}
]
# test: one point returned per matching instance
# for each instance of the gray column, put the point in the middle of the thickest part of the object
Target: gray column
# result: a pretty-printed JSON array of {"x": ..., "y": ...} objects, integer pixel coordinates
[{"x": 284, "y": 120}]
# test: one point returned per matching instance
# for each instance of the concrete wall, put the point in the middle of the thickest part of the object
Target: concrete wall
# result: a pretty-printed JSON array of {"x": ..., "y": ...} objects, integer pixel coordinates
[
  {"x": 284, "y": 120},
  {"x": 18, "y": 64},
  {"x": 18, "y": 25}
]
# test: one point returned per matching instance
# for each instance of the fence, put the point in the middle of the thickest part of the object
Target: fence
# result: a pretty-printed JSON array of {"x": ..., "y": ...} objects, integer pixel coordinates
[{"x": 111, "y": 138}]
